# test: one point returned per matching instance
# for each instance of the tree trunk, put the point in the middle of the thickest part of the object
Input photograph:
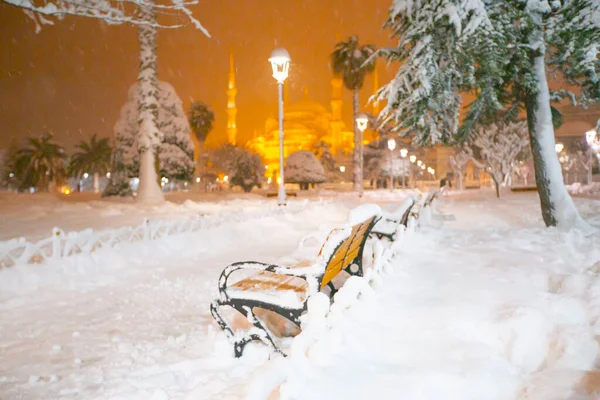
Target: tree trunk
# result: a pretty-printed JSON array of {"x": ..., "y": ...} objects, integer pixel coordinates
[
  {"x": 557, "y": 206},
  {"x": 497, "y": 186},
  {"x": 357, "y": 147},
  {"x": 96, "y": 182},
  {"x": 460, "y": 181},
  {"x": 149, "y": 135},
  {"x": 201, "y": 161}
]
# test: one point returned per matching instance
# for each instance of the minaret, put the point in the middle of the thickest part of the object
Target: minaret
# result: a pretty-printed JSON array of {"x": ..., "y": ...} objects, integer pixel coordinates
[{"x": 231, "y": 108}]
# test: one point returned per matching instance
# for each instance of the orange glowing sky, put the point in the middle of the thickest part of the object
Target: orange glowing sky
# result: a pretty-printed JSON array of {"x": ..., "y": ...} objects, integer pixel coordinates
[{"x": 72, "y": 78}]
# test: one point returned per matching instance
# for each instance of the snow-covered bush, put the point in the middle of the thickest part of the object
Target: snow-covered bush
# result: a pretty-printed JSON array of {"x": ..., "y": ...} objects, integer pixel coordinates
[
  {"x": 243, "y": 168},
  {"x": 304, "y": 168},
  {"x": 499, "y": 146},
  {"x": 176, "y": 150}
]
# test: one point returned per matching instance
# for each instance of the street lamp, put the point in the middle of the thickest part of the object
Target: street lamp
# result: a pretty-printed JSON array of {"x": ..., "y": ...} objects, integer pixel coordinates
[
  {"x": 559, "y": 147},
  {"x": 591, "y": 137},
  {"x": 403, "y": 154},
  {"x": 362, "y": 120},
  {"x": 419, "y": 162},
  {"x": 391, "y": 146},
  {"x": 280, "y": 62},
  {"x": 412, "y": 160}
]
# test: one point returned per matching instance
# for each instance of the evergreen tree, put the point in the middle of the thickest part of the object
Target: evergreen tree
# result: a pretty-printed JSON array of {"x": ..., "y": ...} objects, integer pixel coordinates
[
  {"x": 243, "y": 168},
  {"x": 353, "y": 62},
  {"x": 201, "y": 120},
  {"x": 92, "y": 157},
  {"x": 498, "y": 51},
  {"x": 39, "y": 163},
  {"x": 175, "y": 152}
]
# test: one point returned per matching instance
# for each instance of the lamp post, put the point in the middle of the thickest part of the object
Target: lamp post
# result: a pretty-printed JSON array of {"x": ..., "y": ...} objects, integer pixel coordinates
[
  {"x": 412, "y": 160},
  {"x": 403, "y": 154},
  {"x": 362, "y": 120},
  {"x": 591, "y": 137},
  {"x": 280, "y": 62},
  {"x": 391, "y": 146}
]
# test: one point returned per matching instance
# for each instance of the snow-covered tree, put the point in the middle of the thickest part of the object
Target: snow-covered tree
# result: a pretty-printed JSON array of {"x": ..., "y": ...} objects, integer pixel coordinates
[
  {"x": 499, "y": 51},
  {"x": 353, "y": 62},
  {"x": 243, "y": 168},
  {"x": 303, "y": 168},
  {"x": 458, "y": 162},
  {"x": 499, "y": 146},
  {"x": 144, "y": 14},
  {"x": 175, "y": 150}
]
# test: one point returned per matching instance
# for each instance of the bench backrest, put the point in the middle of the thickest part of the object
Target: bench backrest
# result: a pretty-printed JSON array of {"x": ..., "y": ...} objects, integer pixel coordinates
[{"x": 348, "y": 250}]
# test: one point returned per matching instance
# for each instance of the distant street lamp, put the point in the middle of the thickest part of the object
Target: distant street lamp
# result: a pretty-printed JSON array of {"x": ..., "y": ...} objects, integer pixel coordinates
[
  {"x": 591, "y": 137},
  {"x": 403, "y": 154},
  {"x": 391, "y": 146},
  {"x": 419, "y": 162},
  {"x": 412, "y": 159},
  {"x": 280, "y": 62},
  {"x": 342, "y": 169},
  {"x": 362, "y": 120},
  {"x": 559, "y": 147}
]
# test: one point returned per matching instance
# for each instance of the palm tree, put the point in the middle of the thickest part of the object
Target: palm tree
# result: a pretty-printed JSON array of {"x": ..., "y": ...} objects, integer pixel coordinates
[
  {"x": 201, "y": 120},
  {"x": 39, "y": 163},
  {"x": 93, "y": 157},
  {"x": 352, "y": 62}
]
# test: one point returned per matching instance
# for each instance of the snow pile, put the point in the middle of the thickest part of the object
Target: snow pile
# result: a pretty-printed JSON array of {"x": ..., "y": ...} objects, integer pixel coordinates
[{"x": 588, "y": 190}]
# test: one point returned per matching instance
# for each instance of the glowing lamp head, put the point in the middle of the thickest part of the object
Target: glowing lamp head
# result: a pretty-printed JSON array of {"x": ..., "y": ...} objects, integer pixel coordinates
[
  {"x": 198, "y": 180},
  {"x": 419, "y": 163},
  {"x": 362, "y": 120},
  {"x": 280, "y": 62},
  {"x": 559, "y": 147},
  {"x": 391, "y": 144},
  {"x": 225, "y": 178},
  {"x": 422, "y": 166},
  {"x": 412, "y": 158},
  {"x": 590, "y": 136},
  {"x": 85, "y": 175},
  {"x": 342, "y": 169},
  {"x": 403, "y": 153}
]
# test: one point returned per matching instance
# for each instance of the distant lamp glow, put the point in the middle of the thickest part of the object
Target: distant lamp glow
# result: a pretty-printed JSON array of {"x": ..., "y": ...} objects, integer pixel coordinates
[
  {"x": 403, "y": 153},
  {"x": 391, "y": 144},
  {"x": 419, "y": 163},
  {"x": 278, "y": 181},
  {"x": 422, "y": 166},
  {"x": 266, "y": 167},
  {"x": 342, "y": 169},
  {"x": 12, "y": 175},
  {"x": 198, "y": 180},
  {"x": 280, "y": 62},
  {"x": 412, "y": 158},
  {"x": 225, "y": 178},
  {"x": 67, "y": 191},
  {"x": 85, "y": 176},
  {"x": 590, "y": 136},
  {"x": 362, "y": 120},
  {"x": 108, "y": 175},
  {"x": 559, "y": 147}
]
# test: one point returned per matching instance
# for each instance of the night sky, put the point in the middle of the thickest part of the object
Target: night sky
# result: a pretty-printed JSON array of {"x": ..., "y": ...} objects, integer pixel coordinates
[{"x": 72, "y": 78}]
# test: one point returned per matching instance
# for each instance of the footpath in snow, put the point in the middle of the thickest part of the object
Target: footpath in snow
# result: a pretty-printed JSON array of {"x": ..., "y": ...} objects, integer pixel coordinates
[{"x": 489, "y": 306}]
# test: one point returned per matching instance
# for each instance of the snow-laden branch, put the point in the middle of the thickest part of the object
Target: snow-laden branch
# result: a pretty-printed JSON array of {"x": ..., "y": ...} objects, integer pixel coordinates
[{"x": 110, "y": 11}]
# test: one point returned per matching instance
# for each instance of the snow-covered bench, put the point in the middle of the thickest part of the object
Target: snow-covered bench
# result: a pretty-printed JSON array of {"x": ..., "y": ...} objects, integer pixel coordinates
[
  {"x": 268, "y": 292},
  {"x": 390, "y": 223}
]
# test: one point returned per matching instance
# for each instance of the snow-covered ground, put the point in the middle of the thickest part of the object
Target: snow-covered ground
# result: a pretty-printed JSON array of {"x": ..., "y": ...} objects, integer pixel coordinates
[{"x": 488, "y": 306}]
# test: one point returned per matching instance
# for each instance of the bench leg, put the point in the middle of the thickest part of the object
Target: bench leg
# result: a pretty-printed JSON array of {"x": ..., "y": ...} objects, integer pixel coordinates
[{"x": 261, "y": 332}]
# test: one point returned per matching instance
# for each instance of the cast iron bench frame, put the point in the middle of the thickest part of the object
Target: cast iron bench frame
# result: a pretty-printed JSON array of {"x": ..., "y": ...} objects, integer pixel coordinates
[{"x": 347, "y": 255}]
